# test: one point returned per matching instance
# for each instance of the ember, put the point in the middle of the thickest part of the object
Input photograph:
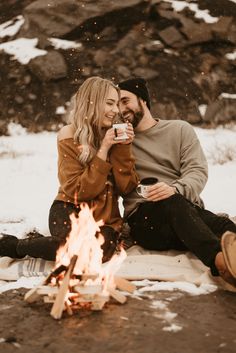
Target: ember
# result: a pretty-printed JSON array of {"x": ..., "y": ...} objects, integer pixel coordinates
[{"x": 79, "y": 279}]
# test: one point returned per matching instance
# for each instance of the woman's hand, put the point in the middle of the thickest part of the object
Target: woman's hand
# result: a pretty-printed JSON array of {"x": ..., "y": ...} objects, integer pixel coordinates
[{"x": 107, "y": 142}]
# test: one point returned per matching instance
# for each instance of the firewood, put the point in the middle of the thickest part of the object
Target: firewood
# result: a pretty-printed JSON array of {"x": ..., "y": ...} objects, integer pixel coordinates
[
  {"x": 59, "y": 303},
  {"x": 32, "y": 295},
  {"x": 123, "y": 284},
  {"x": 68, "y": 309},
  {"x": 46, "y": 290},
  {"x": 121, "y": 298},
  {"x": 55, "y": 273},
  {"x": 88, "y": 289},
  {"x": 48, "y": 299},
  {"x": 99, "y": 301},
  {"x": 98, "y": 305}
]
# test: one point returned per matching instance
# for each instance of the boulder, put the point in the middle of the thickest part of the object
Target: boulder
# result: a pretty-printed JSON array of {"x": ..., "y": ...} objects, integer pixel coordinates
[
  {"x": 51, "y": 66},
  {"x": 172, "y": 37},
  {"x": 57, "y": 18},
  {"x": 222, "y": 27},
  {"x": 221, "y": 111},
  {"x": 196, "y": 32},
  {"x": 147, "y": 73}
]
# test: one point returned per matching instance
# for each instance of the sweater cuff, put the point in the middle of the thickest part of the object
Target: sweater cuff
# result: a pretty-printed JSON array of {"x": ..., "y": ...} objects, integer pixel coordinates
[
  {"x": 100, "y": 165},
  {"x": 122, "y": 149},
  {"x": 179, "y": 188}
]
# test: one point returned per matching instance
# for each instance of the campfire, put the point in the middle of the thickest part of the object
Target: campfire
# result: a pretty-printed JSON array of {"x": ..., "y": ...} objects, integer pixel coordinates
[{"x": 79, "y": 279}]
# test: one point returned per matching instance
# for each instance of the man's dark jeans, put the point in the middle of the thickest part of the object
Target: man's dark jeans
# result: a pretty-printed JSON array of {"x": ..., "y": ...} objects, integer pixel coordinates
[{"x": 176, "y": 223}]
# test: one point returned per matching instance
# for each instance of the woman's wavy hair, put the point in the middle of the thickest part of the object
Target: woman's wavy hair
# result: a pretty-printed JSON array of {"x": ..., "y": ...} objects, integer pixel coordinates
[{"x": 87, "y": 108}]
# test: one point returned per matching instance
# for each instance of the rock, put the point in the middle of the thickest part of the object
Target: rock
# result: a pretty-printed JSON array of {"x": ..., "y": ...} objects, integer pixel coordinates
[
  {"x": 172, "y": 37},
  {"x": 32, "y": 96},
  {"x": 170, "y": 15},
  {"x": 27, "y": 79},
  {"x": 222, "y": 27},
  {"x": 108, "y": 34},
  {"x": 86, "y": 71},
  {"x": 166, "y": 111},
  {"x": 123, "y": 71},
  {"x": 193, "y": 115},
  {"x": 55, "y": 18},
  {"x": 51, "y": 66},
  {"x": 207, "y": 62},
  {"x": 148, "y": 74},
  {"x": 221, "y": 111},
  {"x": 196, "y": 32},
  {"x": 153, "y": 46},
  {"x": 101, "y": 57},
  {"x": 132, "y": 39},
  {"x": 232, "y": 34},
  {"x": 19, "y": 99},
  {"x": 183, "y": 58}
]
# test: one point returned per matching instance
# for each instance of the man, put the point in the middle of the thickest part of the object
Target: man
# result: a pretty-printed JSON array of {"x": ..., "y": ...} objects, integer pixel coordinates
[{"x": 172, "y": 214}]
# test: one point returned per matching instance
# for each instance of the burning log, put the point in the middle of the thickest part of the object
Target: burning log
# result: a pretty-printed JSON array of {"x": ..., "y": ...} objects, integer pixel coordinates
[
  {"x": 123, "y": 284},
  {"x": 79, "y": 279},
  {"x": 58, "y": 305}
]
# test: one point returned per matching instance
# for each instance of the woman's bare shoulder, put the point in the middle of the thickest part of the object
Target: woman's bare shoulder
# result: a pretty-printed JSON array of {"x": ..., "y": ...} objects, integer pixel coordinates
[{"x": 66, "y": 132}]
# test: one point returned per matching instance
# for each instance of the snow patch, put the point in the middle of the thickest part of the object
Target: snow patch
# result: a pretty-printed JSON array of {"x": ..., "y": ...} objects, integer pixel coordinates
[
  {"x": 10, "y": 28},
  {"x": 231, "y": 56},
  {"x": 201, "y": 14},
  {"x": 23, "y": 49},
  {"x": 58, "y": 43}
]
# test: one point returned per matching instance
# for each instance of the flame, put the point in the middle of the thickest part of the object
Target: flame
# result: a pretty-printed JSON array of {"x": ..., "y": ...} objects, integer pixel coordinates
[{"x": 82, "y": 241}]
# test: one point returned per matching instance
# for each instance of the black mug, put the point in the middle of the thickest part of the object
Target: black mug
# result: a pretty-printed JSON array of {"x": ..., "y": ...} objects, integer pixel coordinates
[{"x": 144, "y": 185}]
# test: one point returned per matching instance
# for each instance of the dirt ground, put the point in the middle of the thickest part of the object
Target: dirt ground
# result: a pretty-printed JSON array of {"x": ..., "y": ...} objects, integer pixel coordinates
[{"x": 146, "y": 324}]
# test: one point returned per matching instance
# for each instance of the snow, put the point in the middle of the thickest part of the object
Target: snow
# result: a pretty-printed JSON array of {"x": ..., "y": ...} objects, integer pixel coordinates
[
  {"x": 231, "y": 56},
  {"x": 202, "y": 109},
  {"x": 201, "y": 14},
  {"x": 28, "y": 178},
  {"x": 23, "y": 49},
  {"x": 58, "y": 43},
  {"x": 61, "y": 110},
  {"x": 228, "y": 95},
  {"x": 10, "y": 28},
  {"x": 182, "y": 286},
  {"x": 28, "y": 186}
]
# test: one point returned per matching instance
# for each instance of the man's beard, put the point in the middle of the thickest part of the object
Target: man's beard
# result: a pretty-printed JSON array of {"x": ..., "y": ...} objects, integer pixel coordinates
[{"x": 137, "y": 116}]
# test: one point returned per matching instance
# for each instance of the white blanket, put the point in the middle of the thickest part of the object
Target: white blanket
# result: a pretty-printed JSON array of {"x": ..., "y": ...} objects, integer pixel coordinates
[{"x": 140, "y": 264}]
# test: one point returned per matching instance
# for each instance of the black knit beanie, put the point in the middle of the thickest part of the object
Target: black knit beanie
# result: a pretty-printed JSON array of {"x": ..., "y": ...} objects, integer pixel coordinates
[{"x": 138, "y": 86}]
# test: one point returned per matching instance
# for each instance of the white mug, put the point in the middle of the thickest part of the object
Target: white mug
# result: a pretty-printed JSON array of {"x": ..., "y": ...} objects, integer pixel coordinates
[
  {"x": 121, "y": 126},
  {"x": 144, "y": 185}
]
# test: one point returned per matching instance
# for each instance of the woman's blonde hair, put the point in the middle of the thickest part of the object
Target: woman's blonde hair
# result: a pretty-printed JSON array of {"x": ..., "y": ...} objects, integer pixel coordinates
[{"x": 88, "y": 106}]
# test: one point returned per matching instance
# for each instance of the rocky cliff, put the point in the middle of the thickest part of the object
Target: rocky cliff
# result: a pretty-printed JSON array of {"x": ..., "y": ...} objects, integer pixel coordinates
[{"x": 184, "y": 49}]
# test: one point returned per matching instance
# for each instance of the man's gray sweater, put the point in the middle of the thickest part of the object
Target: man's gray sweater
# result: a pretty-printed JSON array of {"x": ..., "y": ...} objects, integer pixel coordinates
[{"x": 171, "y": 152}]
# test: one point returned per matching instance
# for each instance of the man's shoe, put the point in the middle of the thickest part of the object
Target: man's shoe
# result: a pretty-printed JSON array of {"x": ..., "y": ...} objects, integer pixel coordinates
[
  {"x": 228, "y": 246},
  {"x": 8, "y": 244},
  {"x": 225, "y": 260}
]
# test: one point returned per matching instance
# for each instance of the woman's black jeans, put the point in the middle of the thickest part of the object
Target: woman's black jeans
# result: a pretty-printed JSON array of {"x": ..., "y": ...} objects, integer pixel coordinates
[
  {"x": 176, "y": 223},
  {"x": 60, "y": 227}
]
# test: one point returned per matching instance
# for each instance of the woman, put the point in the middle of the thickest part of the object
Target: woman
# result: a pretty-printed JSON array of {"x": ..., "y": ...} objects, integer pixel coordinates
[{"x": 93, "y": 167}]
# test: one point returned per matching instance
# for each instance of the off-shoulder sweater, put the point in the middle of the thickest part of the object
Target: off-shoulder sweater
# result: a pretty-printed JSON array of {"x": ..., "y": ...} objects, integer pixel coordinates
[{"x": 99, "y": 183}]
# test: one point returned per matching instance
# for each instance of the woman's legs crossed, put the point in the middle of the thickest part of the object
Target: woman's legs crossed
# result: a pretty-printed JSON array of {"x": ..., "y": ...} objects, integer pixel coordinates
[{"x": 59, "y": 226}]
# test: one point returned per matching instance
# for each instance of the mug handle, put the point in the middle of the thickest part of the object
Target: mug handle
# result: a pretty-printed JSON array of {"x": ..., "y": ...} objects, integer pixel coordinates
[{"x": 138, "y": 190}]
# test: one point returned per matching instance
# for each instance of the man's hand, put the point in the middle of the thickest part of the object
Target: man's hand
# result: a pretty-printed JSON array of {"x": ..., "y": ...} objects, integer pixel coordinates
[{"x": 160, "y": 191}]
